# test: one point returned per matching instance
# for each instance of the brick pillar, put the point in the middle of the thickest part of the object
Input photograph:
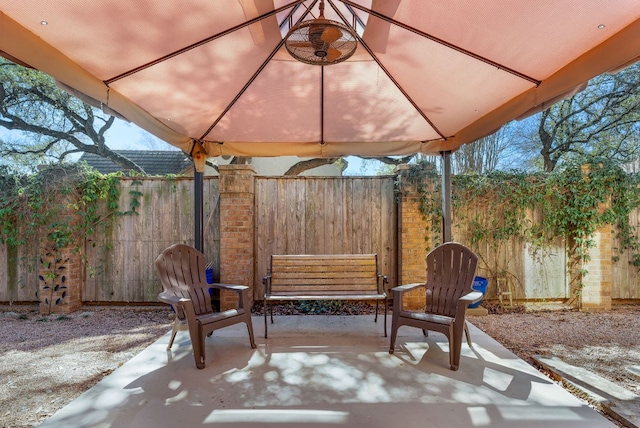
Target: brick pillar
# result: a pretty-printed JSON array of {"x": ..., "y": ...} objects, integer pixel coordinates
[
  {"x": 595, "y": 294},
  {"x": 414, "y": 241},
  {"x": 596, "y": 291},
  {"x": 60, "y": 280},
  {"x": 237, "y": 216}
]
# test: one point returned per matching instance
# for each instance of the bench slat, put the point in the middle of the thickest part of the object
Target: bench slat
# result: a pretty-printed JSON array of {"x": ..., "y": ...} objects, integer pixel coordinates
[
  {"x": 324, "y": 274},
  {"x": 324, "y": 277},
  {"x": 316, "y": 257},
  {"x": 326, "y": 296},
  {"x": 324, "y": 268},
  {"x": 287, "y": 282},
  {"x": 310, "y": 288},
  {"x": 360, "y": 276}
]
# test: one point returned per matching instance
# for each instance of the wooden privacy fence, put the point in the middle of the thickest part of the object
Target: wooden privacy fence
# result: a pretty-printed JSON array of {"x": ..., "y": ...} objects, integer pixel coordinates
[
  {"x": 625, "y": 284},
  {"x": 119, "y": 257},
  {"x": 120, "y": 261},
  {"x": 531, "y": 273},
  {"x": 297, "y": 215},
  {"x": 328, "y": 215}
]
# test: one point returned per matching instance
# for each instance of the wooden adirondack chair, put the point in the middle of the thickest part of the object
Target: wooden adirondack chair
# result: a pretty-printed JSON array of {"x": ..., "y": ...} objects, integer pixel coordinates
[
  {"x": 451, "y": 269},
  {"x": 181, "y": 269}
]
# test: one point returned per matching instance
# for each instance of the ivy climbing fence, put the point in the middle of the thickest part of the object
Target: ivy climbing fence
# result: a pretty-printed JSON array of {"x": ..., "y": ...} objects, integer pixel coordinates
[{"x": 506, "y": 219}]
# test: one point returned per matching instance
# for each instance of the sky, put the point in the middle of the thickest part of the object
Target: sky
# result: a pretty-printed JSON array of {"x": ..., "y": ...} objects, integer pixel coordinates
[{"x": 128, "y": 136}]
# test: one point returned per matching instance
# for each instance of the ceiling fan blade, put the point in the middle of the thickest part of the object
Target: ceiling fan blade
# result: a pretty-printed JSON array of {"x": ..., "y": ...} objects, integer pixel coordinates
[
  {"x": 333, "y": 54},
  {"x": 331, "y": 34},
  {"x": 299, "y": 44}
]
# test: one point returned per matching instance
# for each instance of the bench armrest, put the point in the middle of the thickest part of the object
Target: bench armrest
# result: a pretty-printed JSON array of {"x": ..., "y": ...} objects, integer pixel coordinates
[{"x": 266, "y": 280}]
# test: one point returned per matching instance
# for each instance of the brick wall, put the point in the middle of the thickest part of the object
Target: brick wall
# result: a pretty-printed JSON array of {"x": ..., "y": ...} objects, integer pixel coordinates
[
  {"x": 596, "y": 291},
  {"x": 237, "y": 216},
  {"x": 413, "y": 242}
]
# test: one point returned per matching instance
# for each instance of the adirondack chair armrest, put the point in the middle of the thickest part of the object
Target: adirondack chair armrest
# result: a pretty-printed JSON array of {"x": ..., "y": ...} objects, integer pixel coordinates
[
  {"x": 401, "y": 289},
  {"x": 230, "y": 287},
  {"x": 242, "y": 290},
  {"x": 465, "y": 301},
  {"x": 182, "y": 305},
  {"x": 169, "y": 299}
]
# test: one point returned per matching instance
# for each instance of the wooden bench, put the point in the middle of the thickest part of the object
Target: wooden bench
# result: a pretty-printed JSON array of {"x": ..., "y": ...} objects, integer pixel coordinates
[{"x": 324, "y": 277}]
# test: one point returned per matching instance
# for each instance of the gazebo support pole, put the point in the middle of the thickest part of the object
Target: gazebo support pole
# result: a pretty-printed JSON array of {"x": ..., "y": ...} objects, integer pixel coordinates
[
  {"x": 198, "y": 210},
  {"x": 446, "y": 196}
]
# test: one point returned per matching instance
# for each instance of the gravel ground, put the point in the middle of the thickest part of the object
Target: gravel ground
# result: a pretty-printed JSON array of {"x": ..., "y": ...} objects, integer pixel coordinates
[
  {"x": 602, "y": 342},
  {"x": 45, "y": 362}
]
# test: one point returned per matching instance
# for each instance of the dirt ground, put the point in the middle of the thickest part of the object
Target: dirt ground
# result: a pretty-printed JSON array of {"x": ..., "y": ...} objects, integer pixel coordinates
[{"x": 45, "y": 362}]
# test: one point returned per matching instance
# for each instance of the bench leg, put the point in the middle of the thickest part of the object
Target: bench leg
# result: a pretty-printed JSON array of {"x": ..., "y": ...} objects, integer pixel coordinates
[
  {"x": 271, "y": 310},
  {"x": 386, "y": 309},
  {"x": 265, "y": 318},
  {"x": 376, "y": 318}
]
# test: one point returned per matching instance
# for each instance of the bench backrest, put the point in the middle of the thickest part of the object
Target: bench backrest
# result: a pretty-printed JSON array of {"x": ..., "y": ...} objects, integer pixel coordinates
[{"x": 332, "y": 274}]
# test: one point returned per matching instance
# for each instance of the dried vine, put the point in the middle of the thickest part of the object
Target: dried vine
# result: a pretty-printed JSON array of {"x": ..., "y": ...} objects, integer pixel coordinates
[{"x": 570, "y": 203}]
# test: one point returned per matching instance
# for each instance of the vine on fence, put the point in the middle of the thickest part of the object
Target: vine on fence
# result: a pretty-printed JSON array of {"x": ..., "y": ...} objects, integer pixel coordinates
[
  {"x": 65, "y": 203},
  {"x": 570, "y": 203}
]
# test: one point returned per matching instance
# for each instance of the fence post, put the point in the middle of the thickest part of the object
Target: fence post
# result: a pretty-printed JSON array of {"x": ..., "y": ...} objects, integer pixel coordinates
[
  {"x": 237, "y": 228},
  {"x": 596, "y": 292},
  {"x": 414, "y": 240}
]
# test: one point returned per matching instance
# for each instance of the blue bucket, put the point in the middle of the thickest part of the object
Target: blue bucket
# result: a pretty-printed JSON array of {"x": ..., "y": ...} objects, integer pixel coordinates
[
  {"x": 209, "y": 272},
  {"x": 479, "y": 284}
]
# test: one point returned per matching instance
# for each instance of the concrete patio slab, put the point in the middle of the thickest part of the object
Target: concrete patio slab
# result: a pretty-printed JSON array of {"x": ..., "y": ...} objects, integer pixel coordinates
[{"x": 321, "y": 371}]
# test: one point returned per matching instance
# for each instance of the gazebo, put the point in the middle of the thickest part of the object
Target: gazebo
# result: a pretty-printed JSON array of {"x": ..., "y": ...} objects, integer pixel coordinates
[
  {"x": 318, "y": 78},
  {"x": 321, "y": 79}
]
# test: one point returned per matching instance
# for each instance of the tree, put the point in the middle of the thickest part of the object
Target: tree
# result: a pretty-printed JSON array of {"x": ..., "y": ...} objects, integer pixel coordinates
[
  {"x": 601, "y": 121},
  {"x": 54, "y": 123},
  {"x": 481, "y": 156}
]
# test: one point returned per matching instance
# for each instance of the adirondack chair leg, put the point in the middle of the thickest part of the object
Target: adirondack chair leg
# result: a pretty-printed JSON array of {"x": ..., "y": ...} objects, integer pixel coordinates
[
  {"x": 394, "y": 333},
  {"x": 173, "y": 336},
  {"x": 394, "y": 325},
  {"x": 197, "y": 343},
  {"x": 251, "y": 338},
  {"x": 455, "y": 346},
  {"x": 467, "y": 335}
]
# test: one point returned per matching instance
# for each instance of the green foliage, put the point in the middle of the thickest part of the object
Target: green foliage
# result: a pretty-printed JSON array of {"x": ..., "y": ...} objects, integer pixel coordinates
[
  {"x": 570, "y": 203},
  {"x": 423, "y": 175},
  {"x": 65, "y": 202}
]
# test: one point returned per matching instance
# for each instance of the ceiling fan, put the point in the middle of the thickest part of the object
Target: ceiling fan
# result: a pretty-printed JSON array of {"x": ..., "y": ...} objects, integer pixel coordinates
[{"x": 321, "y": 41}]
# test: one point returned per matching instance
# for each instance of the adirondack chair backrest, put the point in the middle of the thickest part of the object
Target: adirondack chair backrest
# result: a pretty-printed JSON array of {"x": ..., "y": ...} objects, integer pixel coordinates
[
  {"x": 451, "y": 269},
  {"x": 180, "y": 268}
]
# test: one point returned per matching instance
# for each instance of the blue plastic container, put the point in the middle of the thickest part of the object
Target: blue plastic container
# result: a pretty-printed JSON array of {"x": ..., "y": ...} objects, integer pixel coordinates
[
  {"x": 479, "y": 284},
  {"x": 209, "y": 272}
]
